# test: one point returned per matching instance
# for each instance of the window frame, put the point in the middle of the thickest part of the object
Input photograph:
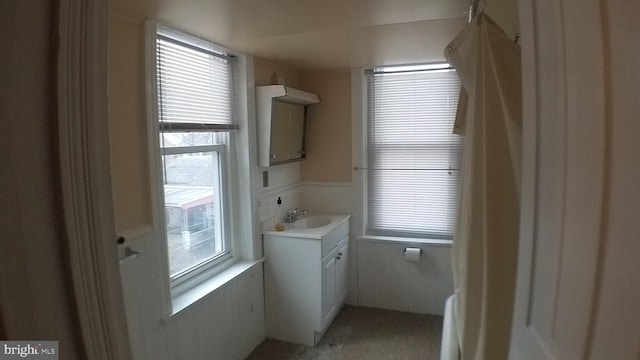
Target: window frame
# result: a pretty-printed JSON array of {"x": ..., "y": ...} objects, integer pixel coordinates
[
  {"x": 361, "y": 150},
  {"x": 225, "y": 195},
  {"x": 228, "y": 158}
]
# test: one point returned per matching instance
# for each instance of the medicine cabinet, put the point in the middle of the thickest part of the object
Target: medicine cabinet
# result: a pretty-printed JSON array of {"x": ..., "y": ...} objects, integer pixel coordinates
[{"x": 282, "y": 120}]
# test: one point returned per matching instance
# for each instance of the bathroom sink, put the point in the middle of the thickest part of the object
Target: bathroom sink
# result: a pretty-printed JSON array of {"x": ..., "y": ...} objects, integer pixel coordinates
[
  {"x": 329, "y": 229},
  {"x": 313, "y": 221}
]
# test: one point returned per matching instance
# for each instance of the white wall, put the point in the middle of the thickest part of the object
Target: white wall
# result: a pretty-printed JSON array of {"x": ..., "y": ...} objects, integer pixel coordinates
[
  {"x": 379, "y": 276},
  {"x": 227, "y": 324},
  {"x": 284, "y": 182},
  {"x": 387, "y": 281}
]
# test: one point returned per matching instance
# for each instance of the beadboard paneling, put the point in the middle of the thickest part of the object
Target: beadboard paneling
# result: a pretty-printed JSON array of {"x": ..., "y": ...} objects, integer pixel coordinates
[
  {"x": 387, "y": 281},
  {"x": 227, "y": 324}
]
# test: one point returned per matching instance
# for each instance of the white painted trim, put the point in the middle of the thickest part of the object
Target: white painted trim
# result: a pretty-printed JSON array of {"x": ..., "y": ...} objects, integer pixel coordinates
[
  {"x": 156, "y": 191},
  {"x": 278, "y": 191},
  {"x": 406, "y": 241},
  {"x": 85, "y": 180},
  {"x": 192, "y": 40},
  {"x": 137, "y": 234},
  {"x": 326, "y": 184},
  {"x": 242, "y": 232},
  {"x": 246, "y": 230},
  {"x": 358, "y": 153},
  {"x": 211, "y": 286},
  {"x": 192, "y": 149}
]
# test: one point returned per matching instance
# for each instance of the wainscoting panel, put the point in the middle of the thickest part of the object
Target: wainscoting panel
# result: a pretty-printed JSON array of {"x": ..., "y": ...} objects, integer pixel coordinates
[
  {"x": 224, "y": 325},
  {"x": 385, "y": 280},
  {"x": 142, "y": 298}
]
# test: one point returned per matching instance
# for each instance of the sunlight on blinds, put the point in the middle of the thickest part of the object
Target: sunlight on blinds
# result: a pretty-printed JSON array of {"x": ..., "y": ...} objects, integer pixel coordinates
[
  {"x": 193, "y": 84},
  {"x": 413, "y": 156}
]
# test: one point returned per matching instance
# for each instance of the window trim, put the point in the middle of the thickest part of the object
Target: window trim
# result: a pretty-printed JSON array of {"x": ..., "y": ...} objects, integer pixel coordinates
[
  {"x": 360, "y": 126},
  {"x": 174, "y": 291},
  {"x": 177, "y": 150},
  {"x": 205, "y": 267}
]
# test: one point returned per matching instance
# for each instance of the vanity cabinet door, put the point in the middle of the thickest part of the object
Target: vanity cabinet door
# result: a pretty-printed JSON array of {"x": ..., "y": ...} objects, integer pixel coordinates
[
  {"x": 329, "y": 286},
  {"x": 342, "y": 270}
]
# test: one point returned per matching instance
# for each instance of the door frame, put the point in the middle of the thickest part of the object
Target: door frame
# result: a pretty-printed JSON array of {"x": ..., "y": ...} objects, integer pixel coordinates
[{"x": 85, "y": 181}]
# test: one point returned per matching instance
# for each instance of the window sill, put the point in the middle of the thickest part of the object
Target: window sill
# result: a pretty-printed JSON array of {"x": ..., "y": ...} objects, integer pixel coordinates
[
  {"x": 391, "y": 239},
  {"x": 205, "y": 288}
]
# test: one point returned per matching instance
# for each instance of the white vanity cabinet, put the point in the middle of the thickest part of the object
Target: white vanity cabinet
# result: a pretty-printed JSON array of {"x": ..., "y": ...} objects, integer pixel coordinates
[
  {"x": 306, "y": 280},
  {"x": 334, "y": 281}
]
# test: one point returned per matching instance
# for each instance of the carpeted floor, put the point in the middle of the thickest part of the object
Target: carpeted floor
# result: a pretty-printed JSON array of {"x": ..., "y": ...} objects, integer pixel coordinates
[{"x": 360, "y": 333}]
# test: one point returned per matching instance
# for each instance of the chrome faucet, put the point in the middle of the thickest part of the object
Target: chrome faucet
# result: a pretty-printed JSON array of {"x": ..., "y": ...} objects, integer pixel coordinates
[{"x": 292, "y": 216}]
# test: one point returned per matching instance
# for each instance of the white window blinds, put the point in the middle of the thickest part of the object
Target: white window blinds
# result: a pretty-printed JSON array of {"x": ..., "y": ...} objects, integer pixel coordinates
[
  {"x": 195, "y": 87},
  {"x": 413, "y": 156}
]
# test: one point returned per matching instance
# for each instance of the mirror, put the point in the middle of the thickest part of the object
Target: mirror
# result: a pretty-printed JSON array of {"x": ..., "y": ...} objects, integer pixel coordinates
[
  {"x": 288, "y": 123},
  {"x": 281, "y": 113}
]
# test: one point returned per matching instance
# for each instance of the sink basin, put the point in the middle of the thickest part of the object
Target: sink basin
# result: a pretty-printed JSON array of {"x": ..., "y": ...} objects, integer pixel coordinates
[
  {"x": 311, "y": 222},
  {"x": 328, "y": 229},
  {"x": 316, "y": 226}
]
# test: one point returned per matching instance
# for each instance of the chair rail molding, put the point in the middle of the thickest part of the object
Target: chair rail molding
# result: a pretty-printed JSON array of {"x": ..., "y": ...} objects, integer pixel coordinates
[{"x": 85, "y": 183}]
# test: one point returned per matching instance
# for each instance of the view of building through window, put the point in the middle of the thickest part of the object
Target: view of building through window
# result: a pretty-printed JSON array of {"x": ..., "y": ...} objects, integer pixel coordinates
[{"x": 192, "y": 208}]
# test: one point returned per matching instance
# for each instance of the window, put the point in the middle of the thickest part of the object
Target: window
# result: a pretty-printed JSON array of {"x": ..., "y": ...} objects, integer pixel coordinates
[
  {"x": 413, "y": 158},
  {"x": 195, "y": 101}
]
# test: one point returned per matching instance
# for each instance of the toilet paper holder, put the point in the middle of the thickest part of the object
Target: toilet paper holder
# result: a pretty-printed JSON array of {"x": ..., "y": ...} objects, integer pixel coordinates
[{"x": 405, "y": 250}]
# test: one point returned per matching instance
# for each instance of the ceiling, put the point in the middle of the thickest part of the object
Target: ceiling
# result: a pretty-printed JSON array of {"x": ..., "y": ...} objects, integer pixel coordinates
[{"x": 316, "y": 34}]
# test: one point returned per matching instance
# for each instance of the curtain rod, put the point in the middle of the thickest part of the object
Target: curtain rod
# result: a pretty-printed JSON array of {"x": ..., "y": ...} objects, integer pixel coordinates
[{"x": 473, "y": 11}]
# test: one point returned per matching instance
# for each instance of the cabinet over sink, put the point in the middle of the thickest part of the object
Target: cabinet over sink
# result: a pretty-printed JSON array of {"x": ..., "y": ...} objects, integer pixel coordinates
[{"x": 282, "y": 117}]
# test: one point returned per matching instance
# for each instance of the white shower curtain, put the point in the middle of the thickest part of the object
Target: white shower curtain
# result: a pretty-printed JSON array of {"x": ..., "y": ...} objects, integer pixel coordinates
[{"x": 485, "y": 243}]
